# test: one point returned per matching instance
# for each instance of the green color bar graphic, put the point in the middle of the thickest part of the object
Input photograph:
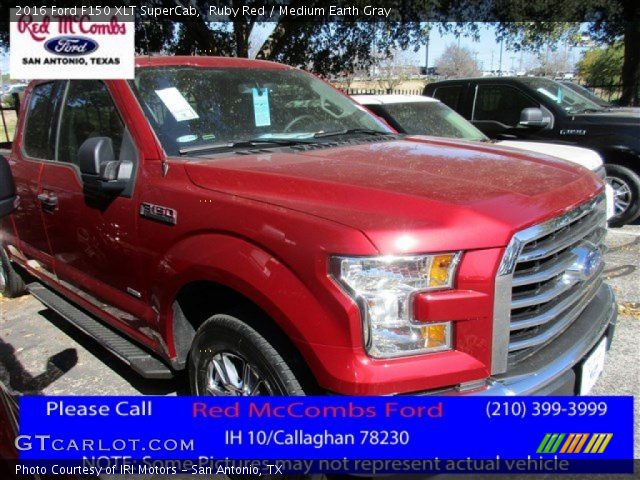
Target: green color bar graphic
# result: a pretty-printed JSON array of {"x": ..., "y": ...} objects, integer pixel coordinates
[
  {"x": 550, "y": 443},
  {"x": 544, "y": 441},
  {"x": 557, "y": 445}
]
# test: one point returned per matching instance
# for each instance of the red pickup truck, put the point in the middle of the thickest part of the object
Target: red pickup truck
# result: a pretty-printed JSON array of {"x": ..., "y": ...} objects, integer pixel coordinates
[{"x": 247, "y": 222}]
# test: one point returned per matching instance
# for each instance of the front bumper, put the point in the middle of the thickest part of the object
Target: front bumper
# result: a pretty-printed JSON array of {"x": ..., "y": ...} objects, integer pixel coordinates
[{"x": 552, "y": 370}]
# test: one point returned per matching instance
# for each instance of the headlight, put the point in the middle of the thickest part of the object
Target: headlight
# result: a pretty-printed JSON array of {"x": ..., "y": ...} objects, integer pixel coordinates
[{"x": 384, "y": 288}]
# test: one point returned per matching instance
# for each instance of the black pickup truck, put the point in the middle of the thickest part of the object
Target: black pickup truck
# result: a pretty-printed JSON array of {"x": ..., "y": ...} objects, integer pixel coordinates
[{"x": 535, "y": 108}]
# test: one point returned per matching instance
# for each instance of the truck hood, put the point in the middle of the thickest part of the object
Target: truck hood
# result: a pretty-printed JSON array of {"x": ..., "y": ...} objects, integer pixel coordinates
[
  {"x": 419, "y": 194},
  {"x": 582, "y": 156},
  {"x": 613, "y": 116}
]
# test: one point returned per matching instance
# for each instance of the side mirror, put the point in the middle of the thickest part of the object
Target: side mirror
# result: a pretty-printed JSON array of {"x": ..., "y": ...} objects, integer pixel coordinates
[
  {"x": 533, "y": 117},
  {"x": 7, "y": 188},
  {"x": 101, "y": 172}
]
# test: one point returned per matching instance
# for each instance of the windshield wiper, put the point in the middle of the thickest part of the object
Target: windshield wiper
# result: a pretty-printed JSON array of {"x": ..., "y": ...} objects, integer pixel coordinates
[
  {"x": 348, "y": 131},
  {"x": 251, "y": 143}
]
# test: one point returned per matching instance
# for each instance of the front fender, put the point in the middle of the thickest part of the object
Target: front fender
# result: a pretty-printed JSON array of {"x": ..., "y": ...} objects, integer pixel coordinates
[{"x": 311, "y": 311}]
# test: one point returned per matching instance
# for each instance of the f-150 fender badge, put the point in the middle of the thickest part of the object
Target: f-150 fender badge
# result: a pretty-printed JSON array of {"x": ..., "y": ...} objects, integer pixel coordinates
[
  {"x": 573, "y": 131},
  {"x": 159, "y": 213}
]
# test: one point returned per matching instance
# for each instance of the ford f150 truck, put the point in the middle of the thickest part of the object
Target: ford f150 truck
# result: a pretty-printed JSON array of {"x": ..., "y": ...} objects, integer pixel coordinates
[
  {"x": 534, "y": 108},
  {"x": 247, "y": 222}
]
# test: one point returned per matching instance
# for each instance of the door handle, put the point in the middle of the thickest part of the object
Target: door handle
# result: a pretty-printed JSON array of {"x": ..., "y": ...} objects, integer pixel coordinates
[{"x": 48, "y": 199}]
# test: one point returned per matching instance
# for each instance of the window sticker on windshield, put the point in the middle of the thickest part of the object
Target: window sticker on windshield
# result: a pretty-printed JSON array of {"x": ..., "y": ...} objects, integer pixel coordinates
[
  {"x": 177, "y": 104},
  {"x": 186, "y": 138},
  {"x": 261, "y": 107}
]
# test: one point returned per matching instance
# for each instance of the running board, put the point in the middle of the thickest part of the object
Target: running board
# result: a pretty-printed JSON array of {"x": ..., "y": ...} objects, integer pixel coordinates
[{"x": 140, "y": 361}]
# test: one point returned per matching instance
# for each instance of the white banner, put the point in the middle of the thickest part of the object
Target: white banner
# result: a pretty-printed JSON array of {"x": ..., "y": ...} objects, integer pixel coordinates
[{"x": 46, "y": 46}]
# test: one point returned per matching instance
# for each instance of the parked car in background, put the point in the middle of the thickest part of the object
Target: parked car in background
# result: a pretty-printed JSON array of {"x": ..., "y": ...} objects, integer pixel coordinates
[
  {"x": 246, "y": 222},
  {"x": 585, "y": 92},
  {"x": 421, "y": 115},
  {"x": 8, "y": 97},
  {"x": 534, "y": 108}
]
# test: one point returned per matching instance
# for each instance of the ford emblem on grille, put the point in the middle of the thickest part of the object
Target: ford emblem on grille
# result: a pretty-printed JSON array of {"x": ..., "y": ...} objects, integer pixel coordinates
[{"x": 588, "y": 262}]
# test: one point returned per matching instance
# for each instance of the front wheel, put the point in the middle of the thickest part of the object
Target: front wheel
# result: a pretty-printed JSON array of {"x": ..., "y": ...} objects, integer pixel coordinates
[
  {"x": 626, "y": 194},
  {"x": 11, "y": 283},
  {"x": 230, "y": 358}
]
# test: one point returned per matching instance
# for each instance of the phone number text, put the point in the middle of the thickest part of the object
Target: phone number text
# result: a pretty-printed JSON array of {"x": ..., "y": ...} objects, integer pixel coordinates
[{"x": 520, "y": 409}]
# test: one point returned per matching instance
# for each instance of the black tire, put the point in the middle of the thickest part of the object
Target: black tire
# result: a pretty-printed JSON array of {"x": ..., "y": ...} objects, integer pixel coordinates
[
  {"x": 11, "y": 283},
  {"x": 624, "y": 179},
  {"x": 225, "y": 338}
]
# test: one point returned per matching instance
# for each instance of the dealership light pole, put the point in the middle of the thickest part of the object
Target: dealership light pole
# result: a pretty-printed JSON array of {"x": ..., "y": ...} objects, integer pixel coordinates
[{"x": 426, "y": 56}]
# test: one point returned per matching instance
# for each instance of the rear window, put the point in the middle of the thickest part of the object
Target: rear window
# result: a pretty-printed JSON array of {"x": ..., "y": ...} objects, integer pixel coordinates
[{"x": 39, "y": 127}]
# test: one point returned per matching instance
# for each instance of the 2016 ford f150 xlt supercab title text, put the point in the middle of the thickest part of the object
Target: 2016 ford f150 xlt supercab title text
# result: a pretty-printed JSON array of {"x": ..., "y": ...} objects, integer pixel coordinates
[{"x": 249, "y": 223}]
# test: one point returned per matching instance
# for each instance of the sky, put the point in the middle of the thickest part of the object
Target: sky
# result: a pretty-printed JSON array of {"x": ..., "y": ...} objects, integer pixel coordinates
[{"x": 487, "y": 50}]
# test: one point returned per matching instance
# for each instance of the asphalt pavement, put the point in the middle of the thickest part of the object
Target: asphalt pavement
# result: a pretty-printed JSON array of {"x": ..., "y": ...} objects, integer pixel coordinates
[{"x": 41, "y": 354}]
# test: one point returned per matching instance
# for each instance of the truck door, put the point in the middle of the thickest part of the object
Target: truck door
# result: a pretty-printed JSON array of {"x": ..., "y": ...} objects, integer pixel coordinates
[
  {"x": 35, "y": 148},
  {"x": 92, "y": 236},
  {"x": 497, "y": 107}
]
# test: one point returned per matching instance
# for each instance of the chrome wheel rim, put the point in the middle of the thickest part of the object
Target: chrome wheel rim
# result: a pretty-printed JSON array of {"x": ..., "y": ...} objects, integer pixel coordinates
[
  {"x": 622, "y": 195},
  {"x": 227, "y": 374}
]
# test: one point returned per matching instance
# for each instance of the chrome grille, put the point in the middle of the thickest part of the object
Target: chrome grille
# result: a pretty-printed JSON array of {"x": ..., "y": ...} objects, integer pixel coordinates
[{"x": 553, "y": 271}]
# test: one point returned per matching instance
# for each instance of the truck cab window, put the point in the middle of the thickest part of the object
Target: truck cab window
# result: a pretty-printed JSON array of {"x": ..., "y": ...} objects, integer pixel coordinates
[
  {"x": 88, "y": 111},
  {"x": 501, "y": 103},
  {"x": 39, "y": 129},
  {"x": 450, "y": 96}
]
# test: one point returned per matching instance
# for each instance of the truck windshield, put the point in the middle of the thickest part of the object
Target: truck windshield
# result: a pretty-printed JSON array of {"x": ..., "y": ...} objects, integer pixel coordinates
[
  {"x": 193, "y": 107},
  {"x": 570, "y": 100},
  {"x": 585, "y": 92},
  {"x": 428, "y": 118}
]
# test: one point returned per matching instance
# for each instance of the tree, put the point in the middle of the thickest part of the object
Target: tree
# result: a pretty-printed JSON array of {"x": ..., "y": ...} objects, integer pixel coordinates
[
  {"x": 553, "y": 63},
  {"x": 609, "y": 22},
  {"x": 621, "y": 20},
  {"x": 457, "y": 61},
  {"x": 393, "y": 70},
  {"x": 325, "y": 47},
  {"x": 602, "y": 66}
]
